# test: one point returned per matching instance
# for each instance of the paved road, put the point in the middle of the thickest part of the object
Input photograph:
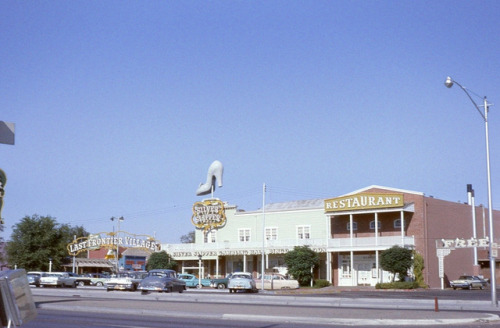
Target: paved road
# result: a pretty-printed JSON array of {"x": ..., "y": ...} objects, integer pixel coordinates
[{"x": 335, "y": 309}]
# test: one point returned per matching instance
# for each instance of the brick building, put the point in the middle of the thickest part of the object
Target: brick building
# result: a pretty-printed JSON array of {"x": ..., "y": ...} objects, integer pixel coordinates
[{"x": 349, "y": 233}]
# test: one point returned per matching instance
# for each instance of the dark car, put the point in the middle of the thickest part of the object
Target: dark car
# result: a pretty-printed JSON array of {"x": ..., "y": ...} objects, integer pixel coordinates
[
  {"x": 161, "y": 280},
  {"x": 220, "y": 283}
]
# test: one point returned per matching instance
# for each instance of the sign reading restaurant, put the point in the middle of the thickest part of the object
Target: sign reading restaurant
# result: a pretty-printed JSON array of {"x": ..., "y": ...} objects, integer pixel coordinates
[{"x": 363, "y": 201}]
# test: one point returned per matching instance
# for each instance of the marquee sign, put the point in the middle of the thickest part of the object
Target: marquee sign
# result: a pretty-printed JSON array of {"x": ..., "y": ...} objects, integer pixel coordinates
[
  {"x": 208, "y": 214},
  {"x": 226, "y": 252},
  {"x": 363, "y": 201},
  {"x": 112, "y": 240},
  {"x": 462, "y": 243}
]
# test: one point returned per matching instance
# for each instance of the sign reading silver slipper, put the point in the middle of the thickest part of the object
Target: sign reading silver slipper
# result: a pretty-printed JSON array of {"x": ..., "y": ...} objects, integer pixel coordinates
[
  {"x": 208, "y": 214},
  {"x": 363, "y": 201}
]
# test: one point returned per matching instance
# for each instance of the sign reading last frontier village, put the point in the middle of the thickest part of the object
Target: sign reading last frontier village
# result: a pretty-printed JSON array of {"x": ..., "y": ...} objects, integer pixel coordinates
[{"x": 112, "y": 240}]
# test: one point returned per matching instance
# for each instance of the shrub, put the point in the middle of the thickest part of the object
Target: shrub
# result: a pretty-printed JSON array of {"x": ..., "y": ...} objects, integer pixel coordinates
[
  {"x": 398, "y": 285},
  {"x": 320, "y": 283}
]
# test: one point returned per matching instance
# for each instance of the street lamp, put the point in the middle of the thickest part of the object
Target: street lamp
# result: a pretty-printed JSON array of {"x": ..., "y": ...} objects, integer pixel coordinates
[
  {"x": 117, "y": 242},
  {"x": 449, "y": 83},
  {"x": 199, "y": 271}
]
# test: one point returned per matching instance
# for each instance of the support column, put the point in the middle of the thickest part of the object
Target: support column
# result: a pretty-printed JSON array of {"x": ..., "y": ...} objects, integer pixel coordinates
[
  {"x": 351, "y": 236},
  {"x": 328, "y": 254},
  {"x": 402, "y": 216}
]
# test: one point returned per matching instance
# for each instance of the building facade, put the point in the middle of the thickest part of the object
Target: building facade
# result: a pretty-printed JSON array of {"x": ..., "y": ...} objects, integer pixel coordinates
[{"x": 348, "y": 232}]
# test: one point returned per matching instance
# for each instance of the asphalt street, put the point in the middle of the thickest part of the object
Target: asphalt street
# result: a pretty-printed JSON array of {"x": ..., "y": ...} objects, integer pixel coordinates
[{"x": 332, "y": 310}]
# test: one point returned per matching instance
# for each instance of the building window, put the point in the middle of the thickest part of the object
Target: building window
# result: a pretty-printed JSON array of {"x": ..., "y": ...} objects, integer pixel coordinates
[
  {"x": 303, "y": 232},
  {"x": 372, "y": 225},
  {"x": 397, "y": 223},
  {"x": 271, "y": 233},
  {"x": 354, "y": 226},
  {"x": 210, "y": 237},
  {"x": 244, "y": 235}
]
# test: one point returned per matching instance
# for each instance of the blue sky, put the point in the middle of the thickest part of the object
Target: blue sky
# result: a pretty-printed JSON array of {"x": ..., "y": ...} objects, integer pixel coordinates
[{"x": 121, "y": 106}]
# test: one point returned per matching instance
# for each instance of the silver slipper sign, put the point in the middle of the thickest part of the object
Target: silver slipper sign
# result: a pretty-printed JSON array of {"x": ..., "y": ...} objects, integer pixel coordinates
[{"x": 208, "y": 214}]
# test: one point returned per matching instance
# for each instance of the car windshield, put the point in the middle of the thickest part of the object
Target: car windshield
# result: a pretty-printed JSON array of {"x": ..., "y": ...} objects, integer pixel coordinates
[
  {"x": 465, "y": 277},
  {"x": 240, "y": 276}
]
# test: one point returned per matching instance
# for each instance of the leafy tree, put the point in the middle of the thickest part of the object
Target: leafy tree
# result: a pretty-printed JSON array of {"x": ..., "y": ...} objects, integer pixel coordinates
[
  {"x": 161, "y": 260},
  {"x": 418, "y": 269},
  {"x": 397, "y": 260},
  {"x": 188, "y": 238},
  {"x": 37, "y": 239},
  {"x": 299, "y": 263}
]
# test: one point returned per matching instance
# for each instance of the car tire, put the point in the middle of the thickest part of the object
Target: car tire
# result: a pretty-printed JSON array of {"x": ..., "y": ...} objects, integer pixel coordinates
[
  {"x": 470, "y": 287},
  {"x": 230, "y": 291},
  {"x": 81, "y": 284},
  {"x": 198, "y": 286},
  {"x": 144, "y": 292},
  {"x": 99, "y": 284},
  {"x": 454, "y": 288},
  {"x": 221, "y": 286}
]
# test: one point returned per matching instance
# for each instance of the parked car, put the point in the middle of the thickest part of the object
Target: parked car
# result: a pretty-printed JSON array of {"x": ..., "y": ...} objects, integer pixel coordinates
[
  {"x": 162, "y": 280},
  {"x": 467, "y": 282},
  {"x": 99, "y": 279},
  {"x": 58, "y": 279},
  {"x": 127, "y": 280},
  {"x": 220, "y": 283},
  {"x": 276, "y": 281},
  {"x": 242, "y": 281},
  {"x": 483, "y": 281},
  {"x": 192, "y": 281},
  {"x": 34, "y": 278}
]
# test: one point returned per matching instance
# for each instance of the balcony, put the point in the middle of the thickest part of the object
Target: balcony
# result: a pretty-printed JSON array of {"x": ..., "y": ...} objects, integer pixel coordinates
[{"x": 369, "y": 243}]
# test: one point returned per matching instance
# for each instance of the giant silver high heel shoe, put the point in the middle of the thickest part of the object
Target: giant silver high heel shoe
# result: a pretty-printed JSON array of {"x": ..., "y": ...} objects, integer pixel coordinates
[{"x": 214, "y": 173}]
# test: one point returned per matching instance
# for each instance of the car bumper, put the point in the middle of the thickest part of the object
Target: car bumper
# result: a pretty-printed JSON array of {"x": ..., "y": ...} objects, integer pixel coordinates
[
  {"x": 119, "y": 287},
  {"x": 460, "y": 285},
  {"x": 151, "y": 289}
]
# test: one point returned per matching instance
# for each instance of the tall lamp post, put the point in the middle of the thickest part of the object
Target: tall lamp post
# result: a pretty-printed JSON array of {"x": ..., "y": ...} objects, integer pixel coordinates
[
  {"x": 117, "y": 242},
  {"x": 449, "y": 83},
  {"x": 199, "y": 271}
]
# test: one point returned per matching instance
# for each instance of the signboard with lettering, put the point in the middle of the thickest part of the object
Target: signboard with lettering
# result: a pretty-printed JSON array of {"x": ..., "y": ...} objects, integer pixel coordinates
[
  {"x": 462, "y": 243},
  {"x": 363, "y": 201},
  {"x": 208, "y": 214},
  {"x": 112, "y": 240}
]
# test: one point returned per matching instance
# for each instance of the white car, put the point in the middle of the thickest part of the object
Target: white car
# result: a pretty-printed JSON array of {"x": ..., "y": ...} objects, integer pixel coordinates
[
  {"x": 276, "y": 281},
  {"x": 57, "y": 279},
  {"x": 126, "y": 280},
  {"x": 242, "y": 281}
]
